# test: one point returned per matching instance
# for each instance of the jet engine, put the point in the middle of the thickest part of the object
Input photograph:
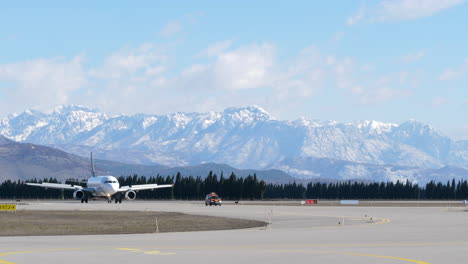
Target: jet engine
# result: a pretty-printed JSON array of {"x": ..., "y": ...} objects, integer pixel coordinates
[
  {"x": 130, "y": 195},
  {"x": 78, "y": 195}
]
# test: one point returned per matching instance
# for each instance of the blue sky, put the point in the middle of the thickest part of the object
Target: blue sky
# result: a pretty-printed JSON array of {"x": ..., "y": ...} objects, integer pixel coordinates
[{"x": 341, "y": 60}]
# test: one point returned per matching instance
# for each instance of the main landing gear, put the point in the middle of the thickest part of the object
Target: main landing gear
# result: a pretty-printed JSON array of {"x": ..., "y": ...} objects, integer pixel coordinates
[
  {"x": 84, "y": 200},
  {"x": 118, "y": 198}
]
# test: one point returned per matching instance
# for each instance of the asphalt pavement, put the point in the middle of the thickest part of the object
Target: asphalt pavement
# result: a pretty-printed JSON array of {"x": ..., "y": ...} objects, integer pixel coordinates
[{"x": 296, "y": 234}]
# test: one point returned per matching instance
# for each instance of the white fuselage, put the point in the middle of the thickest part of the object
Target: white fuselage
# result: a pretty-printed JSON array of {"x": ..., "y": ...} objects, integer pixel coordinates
[{"x": 103, "y": 185}]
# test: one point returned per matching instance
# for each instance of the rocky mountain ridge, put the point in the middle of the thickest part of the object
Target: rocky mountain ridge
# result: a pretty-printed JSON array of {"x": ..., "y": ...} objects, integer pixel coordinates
[
  {"x": 26, "y": 161},
  {"x": 247, "y": 137}
]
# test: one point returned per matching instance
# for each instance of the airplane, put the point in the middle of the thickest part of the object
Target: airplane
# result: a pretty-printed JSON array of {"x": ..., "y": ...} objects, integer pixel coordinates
[{"x": 101, "y": 186}]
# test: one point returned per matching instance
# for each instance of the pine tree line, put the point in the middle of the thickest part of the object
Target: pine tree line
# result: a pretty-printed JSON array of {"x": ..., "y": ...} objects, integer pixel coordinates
[
  {"x": 185, "y": 188},
  {"x": 359, "y": 190},
  {"x": 250, "y": 188}
]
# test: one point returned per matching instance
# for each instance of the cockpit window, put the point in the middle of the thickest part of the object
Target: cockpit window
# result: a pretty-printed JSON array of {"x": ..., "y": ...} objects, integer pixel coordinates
[{"x": 110, "y": 181}]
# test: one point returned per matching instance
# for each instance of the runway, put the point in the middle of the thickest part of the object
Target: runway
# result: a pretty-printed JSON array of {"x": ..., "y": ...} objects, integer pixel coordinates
[{"x": 297, "y": 234}]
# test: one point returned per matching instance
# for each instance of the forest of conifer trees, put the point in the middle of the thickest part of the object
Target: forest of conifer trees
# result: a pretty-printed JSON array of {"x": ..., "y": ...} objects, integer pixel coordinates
[{"x": 251, "y": 188}]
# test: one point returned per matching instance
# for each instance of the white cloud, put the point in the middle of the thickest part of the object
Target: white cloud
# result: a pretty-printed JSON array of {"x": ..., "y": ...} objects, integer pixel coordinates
[
  {"x": 337, "y": 37},
  {"x": 255, "y": 67},
  {"x": 399, "y": 10},
  {"x": 413, "y": 57},
  {"x": 438, "y": 101},
  {"x": 236, "y": 76},
  {"x": 451, "y": 74},
  {"x": 41, "y": 82},
  {"x": 192, "y": 18},
  {"x": 373, "y": 89},
  {"x": 303, "y": 76},
  {"x": 356, "y": 17},
  {"x": 180, "y": 24},
  {"x": 141, "y": 79},
  {"x": 155, "y": 71},
  {"x": 411, "y": 9},
  {"x": 465, "y": 132},
  {"x": 128, "y": 61},
  {"x": 171, "y": 29},
  {"x": 379, "y": 94},
  {"x": 243, "y": 68},
  {"x": 367, "y": 68},
  {"x": 215, "y": 49},
  {"x": 461, "y": 132}
]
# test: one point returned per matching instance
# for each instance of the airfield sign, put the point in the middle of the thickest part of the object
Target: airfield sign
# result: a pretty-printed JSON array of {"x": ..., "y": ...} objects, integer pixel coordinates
[{"x": 7, "y": 207}]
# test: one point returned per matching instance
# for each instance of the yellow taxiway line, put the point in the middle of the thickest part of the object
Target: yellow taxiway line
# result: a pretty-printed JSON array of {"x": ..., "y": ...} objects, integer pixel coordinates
[
  {"x": 379, "y": 220},
  {"x": 387, "y": 257},
  {"x": 274, "y": 248}
]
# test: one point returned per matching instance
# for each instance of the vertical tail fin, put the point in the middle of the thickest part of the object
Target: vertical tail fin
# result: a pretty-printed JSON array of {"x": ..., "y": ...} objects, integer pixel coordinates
[{"x": 93, "y": 173}]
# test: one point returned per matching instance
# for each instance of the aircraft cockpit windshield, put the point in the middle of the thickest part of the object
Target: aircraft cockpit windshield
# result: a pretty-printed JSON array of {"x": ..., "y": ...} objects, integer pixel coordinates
[{"x": 110, "y": 181}]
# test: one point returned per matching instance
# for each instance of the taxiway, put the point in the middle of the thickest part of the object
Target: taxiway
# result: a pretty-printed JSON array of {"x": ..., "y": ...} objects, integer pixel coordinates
[{"x": 297, "y": 234}]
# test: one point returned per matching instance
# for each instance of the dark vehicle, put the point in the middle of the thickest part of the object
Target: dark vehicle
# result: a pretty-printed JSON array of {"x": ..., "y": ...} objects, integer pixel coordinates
[{"x": 212, "y": 199}]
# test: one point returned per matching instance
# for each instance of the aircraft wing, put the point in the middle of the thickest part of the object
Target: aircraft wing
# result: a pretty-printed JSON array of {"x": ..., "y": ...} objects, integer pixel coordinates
[
  {"x": 75, "y": 182},
  {"x": 144, "y": 187},
  {"x": 56, "y": 186}
]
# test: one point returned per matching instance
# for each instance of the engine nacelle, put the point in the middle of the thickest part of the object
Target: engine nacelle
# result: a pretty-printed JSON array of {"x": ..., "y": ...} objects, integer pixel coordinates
[
  {"x": 78, "y": 195},
  {"x": 130, "y": 195}
]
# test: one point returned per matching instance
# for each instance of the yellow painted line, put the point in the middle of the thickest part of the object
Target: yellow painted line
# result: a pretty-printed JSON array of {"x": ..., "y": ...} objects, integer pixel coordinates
[
  {"x": 381, "y": 220},
  {"x": 5, "y": 262},
  {"x": 388, "y": 257},
  {"x": 11, "y": 253},
  {"x": 157, "y": 252},
  {"x": 154, "y": 252},
  {"x": 128, "y": 249},
  {"x": 151, "y": 252}
]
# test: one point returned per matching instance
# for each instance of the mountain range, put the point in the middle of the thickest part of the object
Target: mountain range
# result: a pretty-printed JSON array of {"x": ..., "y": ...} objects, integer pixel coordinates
[
  {"x": 26, "y": 161},
  {"x": 249, "y": 138}
]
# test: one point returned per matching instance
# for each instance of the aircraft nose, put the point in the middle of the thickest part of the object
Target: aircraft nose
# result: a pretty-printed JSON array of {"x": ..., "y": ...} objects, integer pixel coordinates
[{"x": 110, "y": 188}]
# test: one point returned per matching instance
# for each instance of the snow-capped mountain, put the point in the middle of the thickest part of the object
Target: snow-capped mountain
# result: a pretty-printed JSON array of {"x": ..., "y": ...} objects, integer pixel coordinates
[
  {"x": 63, "y": 123},
  {"x": 246, "y": 137},
  {"x": 310, "y": 168},
  {"x": 26, "y": 161}
]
